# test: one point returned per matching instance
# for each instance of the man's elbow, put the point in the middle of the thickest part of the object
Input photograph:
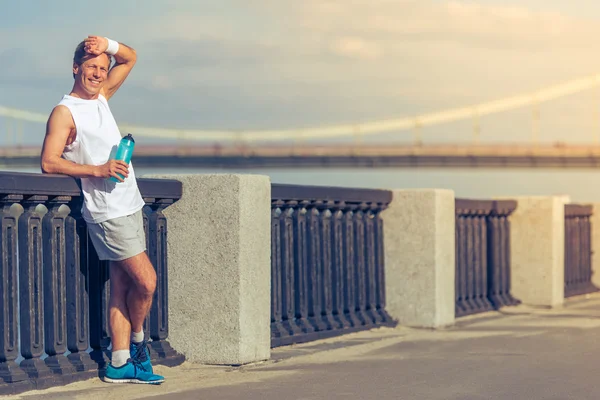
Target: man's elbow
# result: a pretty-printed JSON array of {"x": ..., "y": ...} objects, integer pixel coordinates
[
  {"x": 133, "y": 57},
  {"x": 47, "y": 166}
]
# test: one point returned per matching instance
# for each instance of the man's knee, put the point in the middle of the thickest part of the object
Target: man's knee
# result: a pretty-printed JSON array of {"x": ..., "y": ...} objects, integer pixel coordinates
[
  {"x": 120, "y": 282},
  {"x": 147, "y": 286},
  {"x": 141, "y": 272},
  {"x": 148, "y": 283}
]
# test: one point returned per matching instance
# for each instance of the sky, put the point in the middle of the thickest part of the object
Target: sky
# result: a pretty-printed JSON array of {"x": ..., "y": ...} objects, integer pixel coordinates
[{"x": 267, "y": 64}]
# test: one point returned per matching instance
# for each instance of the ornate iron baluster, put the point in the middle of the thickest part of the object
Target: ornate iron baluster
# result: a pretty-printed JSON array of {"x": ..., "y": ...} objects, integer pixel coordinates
[
  {"x": 301, "y": 271},
  {"x": 575, "y": 252},
  {"x": 586, "y": 252},
  {"x": 569, "y": 250},
  {"x": 380, "y": 264},
  {"x": 485, "y": 250},
  {"x": 99, "y": 295},
  {"x": 31, "y": 291},
  {"x": 337, "y": 246},
  {"x": 477, "y": 260},
  {"x": 10, "y": 372},
  {"x": 470, "y": 265},
  {"x": 360, "y": 266},
  {"x": 498, "y": 256},
  {"x": 159, "y": 313},
  {"x": 315, "y": 267},
  {"x": 582, "y": 270},
  {"x": 370, "y": 261},
  {"x": 78, "y": 333},
  {"x": 146, "y": 212},
  {"x": 286, "y": 228},
  {"x": 460, "y": 286},
  {"x": 55, "y": 291},
  {"x": 278, "y": 332},
  {"x": 350, "y": 298},
  {"x": 326, "y": 267},
  {"x": 505, "y": 260},
  {"x": 495, "y": 270},
  {"x": 481, "y": 250}
]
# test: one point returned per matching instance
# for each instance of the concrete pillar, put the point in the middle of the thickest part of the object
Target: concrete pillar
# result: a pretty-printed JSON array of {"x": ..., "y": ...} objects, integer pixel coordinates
[
  {"x": 419, "y": 243},
  {"x": 537, "y": 240},
  {"x": 595, "y": 222},
  {"x": 219, "y": 247}
]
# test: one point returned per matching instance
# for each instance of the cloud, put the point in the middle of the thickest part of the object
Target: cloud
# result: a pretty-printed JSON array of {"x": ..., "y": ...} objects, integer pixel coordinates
[
  {"x": 162, "y": 82},
  {"x": 356, "y": 48},
  {"x": 464, "y": 22}
]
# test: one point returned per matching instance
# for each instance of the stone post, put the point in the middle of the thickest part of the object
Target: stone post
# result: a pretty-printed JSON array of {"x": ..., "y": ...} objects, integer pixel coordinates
[
  {"x": 219, "y": 247},
  {"x": 419, "y": 243},
  {"x": 537, "y": 241}
]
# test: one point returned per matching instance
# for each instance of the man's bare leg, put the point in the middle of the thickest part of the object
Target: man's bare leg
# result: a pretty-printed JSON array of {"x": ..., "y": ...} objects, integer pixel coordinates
[
  {"x": 134, "y": 285},
  {"x": 120, "y": 325},
  {"x": 133, "y": 282},
  {"x": 142, "y": 284}
]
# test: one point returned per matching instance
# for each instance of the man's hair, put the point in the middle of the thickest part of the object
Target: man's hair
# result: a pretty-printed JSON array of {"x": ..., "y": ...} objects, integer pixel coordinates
[{"x": 80, "y": 55}]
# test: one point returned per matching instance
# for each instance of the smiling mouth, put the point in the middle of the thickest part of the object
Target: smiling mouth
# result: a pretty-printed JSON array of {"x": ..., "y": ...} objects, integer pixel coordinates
[{"x": 95, "y": 82}]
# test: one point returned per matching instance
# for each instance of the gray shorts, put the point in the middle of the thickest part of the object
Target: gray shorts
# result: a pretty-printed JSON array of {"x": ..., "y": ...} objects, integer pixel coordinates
[{"x": 119, "y": 238}]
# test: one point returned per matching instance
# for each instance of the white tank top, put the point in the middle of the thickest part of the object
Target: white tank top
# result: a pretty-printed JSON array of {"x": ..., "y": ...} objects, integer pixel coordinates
[{"x": 98, "y": 137}]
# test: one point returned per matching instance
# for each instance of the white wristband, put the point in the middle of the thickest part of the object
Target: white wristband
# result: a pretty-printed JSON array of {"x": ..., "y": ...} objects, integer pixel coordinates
[{"x": 113, "y": 47}]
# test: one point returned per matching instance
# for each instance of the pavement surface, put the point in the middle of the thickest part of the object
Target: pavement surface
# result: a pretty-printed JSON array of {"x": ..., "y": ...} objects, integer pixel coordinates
[{"x": 517, "y": 353}]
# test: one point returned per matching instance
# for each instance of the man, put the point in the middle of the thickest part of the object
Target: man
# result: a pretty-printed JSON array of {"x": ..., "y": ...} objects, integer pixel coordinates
[{"x": 81, "y": 133}]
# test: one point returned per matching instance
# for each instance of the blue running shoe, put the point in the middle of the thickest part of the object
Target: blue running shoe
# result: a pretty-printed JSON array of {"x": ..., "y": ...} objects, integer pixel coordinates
[
  {"x": 131, "y": 372},
  {"x": 140, "y": 352}
]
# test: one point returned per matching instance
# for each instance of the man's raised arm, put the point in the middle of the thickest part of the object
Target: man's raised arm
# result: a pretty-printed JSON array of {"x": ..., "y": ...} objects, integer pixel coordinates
[{"x": 125, "y": 58}]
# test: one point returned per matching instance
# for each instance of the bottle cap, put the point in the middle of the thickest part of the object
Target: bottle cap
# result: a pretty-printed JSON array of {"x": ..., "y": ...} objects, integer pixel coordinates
[{"x": 129, "y": 137}]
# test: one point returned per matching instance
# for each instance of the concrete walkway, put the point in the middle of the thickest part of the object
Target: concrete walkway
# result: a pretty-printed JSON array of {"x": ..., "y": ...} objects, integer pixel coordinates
[{"x": 519, "y": 353}]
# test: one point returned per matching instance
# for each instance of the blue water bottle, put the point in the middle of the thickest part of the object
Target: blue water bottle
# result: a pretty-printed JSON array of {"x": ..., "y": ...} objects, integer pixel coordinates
[{"x": 124, "y": 152}]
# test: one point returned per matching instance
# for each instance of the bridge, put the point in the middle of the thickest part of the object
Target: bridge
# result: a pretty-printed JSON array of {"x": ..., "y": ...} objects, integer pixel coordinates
[
  {"x": 346, "y": 145},
  {"x": 346, "y": 156}
]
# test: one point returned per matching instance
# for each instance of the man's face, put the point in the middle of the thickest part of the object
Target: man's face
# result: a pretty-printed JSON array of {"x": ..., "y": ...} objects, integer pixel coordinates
[{"x": 91, "y": 74}]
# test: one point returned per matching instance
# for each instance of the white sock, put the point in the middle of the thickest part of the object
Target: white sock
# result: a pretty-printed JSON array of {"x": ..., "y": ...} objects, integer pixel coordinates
[
  {"x": 137, "y": 337},
  {"x": 119, "y": 357}
]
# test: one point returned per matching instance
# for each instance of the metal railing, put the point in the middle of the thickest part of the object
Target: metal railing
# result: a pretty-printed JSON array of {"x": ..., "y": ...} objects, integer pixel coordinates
[
  {"x": 578, "y": 250},
  {"x": 482, "y": 255},
  {"x": 54, "y": 290},
  {"x": 326, "y": 261}
]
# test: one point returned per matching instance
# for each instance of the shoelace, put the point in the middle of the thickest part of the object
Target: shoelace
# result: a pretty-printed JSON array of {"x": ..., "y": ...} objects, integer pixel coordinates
[
  {"x": 140, "y": 353},
  {"x": 137, "y": 365}
]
